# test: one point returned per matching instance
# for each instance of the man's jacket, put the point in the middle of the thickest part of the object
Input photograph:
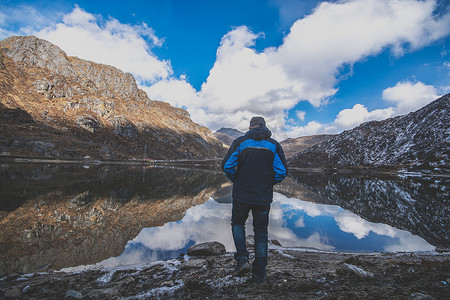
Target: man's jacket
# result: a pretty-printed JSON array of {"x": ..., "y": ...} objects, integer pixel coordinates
[{"x": 255, "y": 163}]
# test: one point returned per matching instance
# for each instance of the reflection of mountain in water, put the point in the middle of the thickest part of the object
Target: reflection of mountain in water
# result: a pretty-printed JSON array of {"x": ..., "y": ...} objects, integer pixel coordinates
[
  {"x": 418, "y": 205},
  {"x": 223, "y": 195},
  {"x": 65, "y": 215}
]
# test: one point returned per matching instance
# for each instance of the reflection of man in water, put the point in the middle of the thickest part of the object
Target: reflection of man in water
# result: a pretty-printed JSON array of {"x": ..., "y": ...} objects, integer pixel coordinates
[{"x": 254, "y": 163}]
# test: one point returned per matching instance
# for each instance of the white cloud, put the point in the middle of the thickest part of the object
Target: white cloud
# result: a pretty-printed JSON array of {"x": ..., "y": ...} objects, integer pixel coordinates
[
  {"x": 244, "y": 79},
  {"x": 406, "y": 97},
  {"x": 178, "y": 92},
  {"x": 342, "y": 33},
  {"x": 445, "y": 89},
  {"x": 300, "y": 115},
  {"x": 409, "y": 96},
  {"x": 244, "y": 82},
  {"x": 109, "y": 42},
  {"x": 311, "y": 128},
  {"x": 349, "y": 118}
]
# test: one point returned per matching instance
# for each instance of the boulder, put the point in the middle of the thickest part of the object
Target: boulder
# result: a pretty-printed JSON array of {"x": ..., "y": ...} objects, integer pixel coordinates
[
  {"x": 207, "y": 249},
  {"x": 195, "y": 264},
  {"x": 420, "y": 296},
  {"x": 26, "y": 289},
  {"x": 73, "y": 294},
  {"x": 345, "y": 269},
  {"x": 13, "y": 294},
  {"x": 276, "y": 242}
]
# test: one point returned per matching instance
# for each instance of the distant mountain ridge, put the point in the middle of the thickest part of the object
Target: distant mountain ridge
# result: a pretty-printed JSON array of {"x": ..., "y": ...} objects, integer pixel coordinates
[
  {"x": 292, "y": 146},
  {"x": 227, "y": 135},
  {"x": 416, "y": 141},
  {"x": 74, "y": 108}
]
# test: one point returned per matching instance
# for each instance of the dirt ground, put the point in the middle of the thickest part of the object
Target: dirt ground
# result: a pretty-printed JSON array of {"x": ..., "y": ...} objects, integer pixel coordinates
[{"x": 291, "y": 274}]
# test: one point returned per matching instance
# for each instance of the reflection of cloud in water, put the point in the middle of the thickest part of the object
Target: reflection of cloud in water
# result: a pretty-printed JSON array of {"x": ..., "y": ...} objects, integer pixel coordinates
[
  {"x": 347, "y": 221},
  {"x": 300, "y": 222},
  {"x": 350, "y": 223},
  {"x": 408, "y": 242},
  {"x": 130, "y": 258},
  {"x": 202, "y": 223},
  {"x": 293, "y": 222},
  {"x": 211, "y": 222},
  {"x": 360, "y": 228}
]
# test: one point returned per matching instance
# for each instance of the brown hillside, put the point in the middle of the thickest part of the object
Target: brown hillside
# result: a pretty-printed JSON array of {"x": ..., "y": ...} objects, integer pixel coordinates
[{"x": 57, "y": 106}]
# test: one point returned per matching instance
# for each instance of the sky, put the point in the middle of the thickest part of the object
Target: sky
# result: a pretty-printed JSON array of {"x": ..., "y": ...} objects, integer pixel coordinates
[{"x": 307, "y": 66}]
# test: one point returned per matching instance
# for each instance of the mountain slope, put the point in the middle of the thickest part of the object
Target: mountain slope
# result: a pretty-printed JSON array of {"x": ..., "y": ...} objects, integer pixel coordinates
[
  {"x": 292, "y": 146},
  {"x": 417, "y": 141},
  {"x": 76, "y": 107}
]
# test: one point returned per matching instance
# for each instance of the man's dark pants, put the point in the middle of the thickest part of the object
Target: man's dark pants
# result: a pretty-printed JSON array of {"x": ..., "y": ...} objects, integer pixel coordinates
[{"x": 260, "y": 223}]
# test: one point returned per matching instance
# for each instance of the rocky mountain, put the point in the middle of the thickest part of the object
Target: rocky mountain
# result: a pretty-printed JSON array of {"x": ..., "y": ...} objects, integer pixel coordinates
[
  {"x": 417, "y": 141},
  {"x": 57, "y": 106},
  {"x": 292, "y": 146},
  {"x": 227, "y": 135}
]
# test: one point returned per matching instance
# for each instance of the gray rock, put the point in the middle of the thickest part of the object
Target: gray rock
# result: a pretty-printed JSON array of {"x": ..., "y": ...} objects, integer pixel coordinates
[
  {"x": 33, "y": 51},
  {"x": 43, "y": 148},
  {"x": 352, "y": 269},
  {"x": 207, "y": 249},
  {"x": 15, "y": 144},
  {"x": 43, "y": 145},
  {"x": 94, "y": 104},
  {"x": 89, "y": 123},
  {"x": 57, "y": 88},
  {"x": 42, "y": 86},
  {"x": 420, "y": 296},
  {"x": 73, "y": 294},
  {"x": 276, "y": 242},
  {"x": 250, "y": 241},
  {"x": 2, "y": 63},
  {"x": 195, "y": 264},
  {"x": 13, "y": 294},
  {"x": 12, "y": 277},
  {"x": 26, "y": 289},
  {"x": 122, "y": 126},
  {"x": 39, "y": 53}
]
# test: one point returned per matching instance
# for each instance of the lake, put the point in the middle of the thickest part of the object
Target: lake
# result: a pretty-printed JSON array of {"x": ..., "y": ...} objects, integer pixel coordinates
[{"x": 67, "y": 216}]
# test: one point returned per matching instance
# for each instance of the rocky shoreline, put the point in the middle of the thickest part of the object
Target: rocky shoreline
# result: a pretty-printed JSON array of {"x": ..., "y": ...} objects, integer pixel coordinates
[{"x": 292, "y": 273}]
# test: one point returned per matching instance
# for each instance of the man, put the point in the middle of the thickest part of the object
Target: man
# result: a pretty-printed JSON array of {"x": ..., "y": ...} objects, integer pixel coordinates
[{"x": 254, "y": 163}]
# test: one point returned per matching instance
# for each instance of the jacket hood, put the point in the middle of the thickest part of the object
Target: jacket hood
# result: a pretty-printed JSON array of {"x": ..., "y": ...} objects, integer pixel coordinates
[{"x": 259, "y": 133}]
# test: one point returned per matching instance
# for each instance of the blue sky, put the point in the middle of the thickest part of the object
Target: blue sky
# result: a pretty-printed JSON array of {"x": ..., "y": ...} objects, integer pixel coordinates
[{"x": 308, "y": 66}]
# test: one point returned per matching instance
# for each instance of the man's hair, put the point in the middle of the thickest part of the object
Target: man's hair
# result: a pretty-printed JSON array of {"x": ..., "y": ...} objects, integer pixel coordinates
[{"x": 257, "y": 122}]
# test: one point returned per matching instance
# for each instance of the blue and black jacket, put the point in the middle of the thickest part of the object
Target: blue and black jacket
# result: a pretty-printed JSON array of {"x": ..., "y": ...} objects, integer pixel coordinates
[{"x": 255, "y": 163}]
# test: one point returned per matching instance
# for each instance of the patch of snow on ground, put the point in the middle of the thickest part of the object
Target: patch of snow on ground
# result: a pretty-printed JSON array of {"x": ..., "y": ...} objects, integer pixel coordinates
[
  {"x": 284, "y": 254},
  {"x": 225, "y": 281},
  {"x": 160, "y": 293},
  {"x": 106, "y": 278}
]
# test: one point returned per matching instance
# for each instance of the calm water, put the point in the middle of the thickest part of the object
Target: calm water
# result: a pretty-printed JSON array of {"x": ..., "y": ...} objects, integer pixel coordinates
[{"x": 64, "y": 216}]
